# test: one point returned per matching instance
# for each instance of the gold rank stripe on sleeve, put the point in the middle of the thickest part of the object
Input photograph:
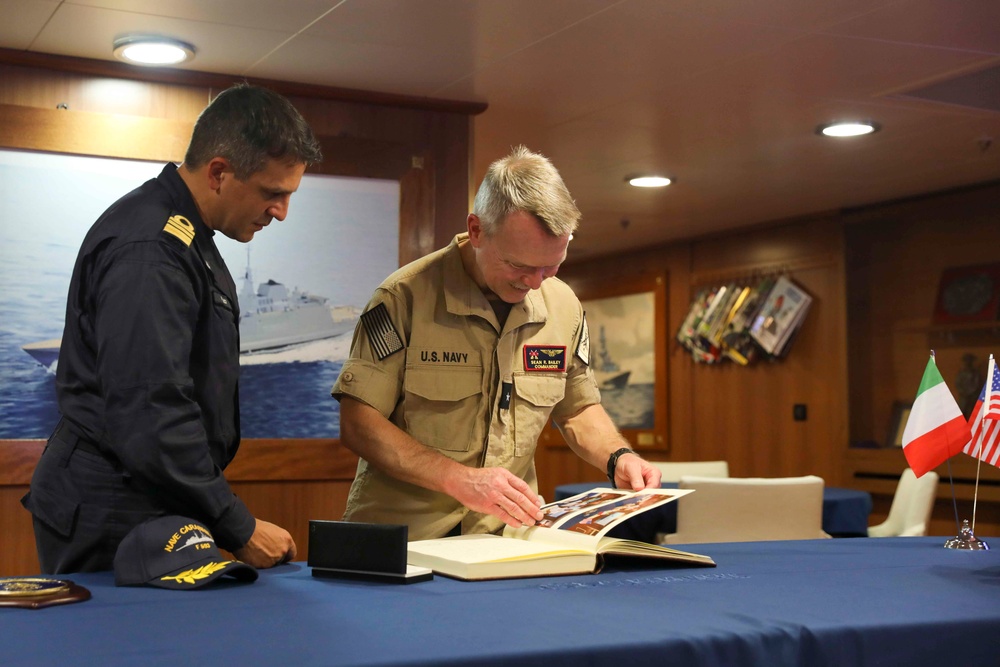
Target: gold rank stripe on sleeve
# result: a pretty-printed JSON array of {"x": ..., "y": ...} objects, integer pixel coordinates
[
  {"x": 382, "y": 335},
  {"x": 181, "y": 227}
]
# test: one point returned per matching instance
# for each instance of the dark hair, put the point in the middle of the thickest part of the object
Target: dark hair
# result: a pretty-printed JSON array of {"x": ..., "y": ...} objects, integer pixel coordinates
[{"x": 248, "y": 126}]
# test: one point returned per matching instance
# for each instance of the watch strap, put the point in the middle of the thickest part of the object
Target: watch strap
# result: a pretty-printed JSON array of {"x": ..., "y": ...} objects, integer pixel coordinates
[{"x": 613, "y": 463}]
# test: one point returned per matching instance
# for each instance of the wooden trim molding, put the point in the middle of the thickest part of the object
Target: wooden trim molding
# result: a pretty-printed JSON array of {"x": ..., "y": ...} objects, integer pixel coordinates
[
  {"x": 117, "y": 70},
  {"x": 18, "y": 459},
  {"x": 88, "y": 133},
  {"x": 259, "y": 460}
]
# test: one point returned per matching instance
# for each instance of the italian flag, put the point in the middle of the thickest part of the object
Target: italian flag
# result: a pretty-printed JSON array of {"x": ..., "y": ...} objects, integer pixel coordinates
[{"x": 936, "y": 429}]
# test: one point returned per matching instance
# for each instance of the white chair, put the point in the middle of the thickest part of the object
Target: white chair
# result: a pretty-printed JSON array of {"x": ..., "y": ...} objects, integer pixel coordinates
[
  {"x": 749, "y": 509},
  {"x": 672, "y": 471},
  {"x": 911, "y": 507}
]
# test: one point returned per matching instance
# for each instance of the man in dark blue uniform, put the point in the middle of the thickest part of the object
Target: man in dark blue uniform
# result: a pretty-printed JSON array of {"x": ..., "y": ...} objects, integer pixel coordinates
[{"x": 148, "y": 370}]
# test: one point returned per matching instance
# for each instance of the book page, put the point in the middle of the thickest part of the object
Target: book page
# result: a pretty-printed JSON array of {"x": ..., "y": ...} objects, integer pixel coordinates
[
  {"x": 570, "y": 540},
  {"x": 486, "y": 548},
  {"x": 593, "y": 513}
]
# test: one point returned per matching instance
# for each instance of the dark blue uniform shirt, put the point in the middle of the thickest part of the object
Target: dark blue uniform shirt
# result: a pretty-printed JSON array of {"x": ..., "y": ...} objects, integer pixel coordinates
[{"x": 149, "y": 365}]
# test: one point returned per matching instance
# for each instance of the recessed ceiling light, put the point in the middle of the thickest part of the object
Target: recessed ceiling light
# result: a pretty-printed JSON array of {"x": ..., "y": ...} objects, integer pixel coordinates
[
  {"x": 850, "y": 128},
  {"x": 152, "y": 50},
  {"x": 649, "y": 181}
]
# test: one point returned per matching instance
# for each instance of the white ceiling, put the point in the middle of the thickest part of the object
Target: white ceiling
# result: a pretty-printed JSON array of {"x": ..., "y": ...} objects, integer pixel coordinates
[{"x": 723, "y": 95}]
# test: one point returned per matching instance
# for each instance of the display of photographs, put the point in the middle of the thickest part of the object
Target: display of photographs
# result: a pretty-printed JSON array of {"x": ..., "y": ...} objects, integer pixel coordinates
[{"x": 783, "y": 311}]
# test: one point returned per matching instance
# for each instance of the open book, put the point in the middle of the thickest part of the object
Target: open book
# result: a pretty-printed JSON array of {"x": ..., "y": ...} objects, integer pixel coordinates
[{"x": 570, "y": 539}]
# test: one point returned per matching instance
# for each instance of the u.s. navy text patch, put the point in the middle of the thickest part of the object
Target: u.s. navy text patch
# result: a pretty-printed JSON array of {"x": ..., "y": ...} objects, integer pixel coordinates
[
  {"x": 545, "y": 358},
  {"x": 382, "y": 335}
]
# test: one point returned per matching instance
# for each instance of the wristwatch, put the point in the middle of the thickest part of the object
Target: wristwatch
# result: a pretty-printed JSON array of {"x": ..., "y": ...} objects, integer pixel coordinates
[{"x": 613, "y": 463}]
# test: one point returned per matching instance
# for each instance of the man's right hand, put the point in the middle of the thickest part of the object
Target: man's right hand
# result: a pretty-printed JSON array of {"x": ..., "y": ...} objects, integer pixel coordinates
[
  {"x": 498, "y": 492},
  {"x": 269, "y": 545}
]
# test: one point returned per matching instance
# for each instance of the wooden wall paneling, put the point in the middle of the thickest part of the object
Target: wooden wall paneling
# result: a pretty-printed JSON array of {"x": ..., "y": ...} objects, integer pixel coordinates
[
  {"x": 757, "y": 434},
  {"x": 88, "y": 133},
  {"x": 897, "y": 254},
  {"x": 47, "y": 89},
  {"x": 293, "y": 504},
  {"x": 416, "y": 206},
  {"x": 93, "y": 69},
  {"x": 17, "y": 539},
  {"x": 17, "y": 543},
  {"x": 877, "y": 471}
]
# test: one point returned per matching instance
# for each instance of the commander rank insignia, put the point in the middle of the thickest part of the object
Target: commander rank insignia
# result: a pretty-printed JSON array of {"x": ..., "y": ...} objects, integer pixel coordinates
[
  {"x": 181, "y": 228},
  {"x": 551, "y": 358}
]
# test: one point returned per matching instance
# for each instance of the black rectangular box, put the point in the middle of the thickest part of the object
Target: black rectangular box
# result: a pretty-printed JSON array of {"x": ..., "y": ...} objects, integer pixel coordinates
[{"x": 366, "y": 550}]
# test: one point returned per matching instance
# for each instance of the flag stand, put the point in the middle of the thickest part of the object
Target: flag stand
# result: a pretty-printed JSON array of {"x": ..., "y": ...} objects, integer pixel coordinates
[{"x": 966, "y": 539}]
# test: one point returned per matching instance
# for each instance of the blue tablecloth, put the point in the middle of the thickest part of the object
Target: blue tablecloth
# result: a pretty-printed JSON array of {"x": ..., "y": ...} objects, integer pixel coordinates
[
  {"x": 830, "y": 603},
  {"x": 845, "y": 513}
]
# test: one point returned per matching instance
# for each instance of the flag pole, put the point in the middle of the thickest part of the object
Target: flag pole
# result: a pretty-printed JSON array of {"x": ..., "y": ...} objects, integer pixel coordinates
[
  {"x": 982, "y": 430},
  {"x": 954, "y": 502},
  {"x": 951, "y": 477}
]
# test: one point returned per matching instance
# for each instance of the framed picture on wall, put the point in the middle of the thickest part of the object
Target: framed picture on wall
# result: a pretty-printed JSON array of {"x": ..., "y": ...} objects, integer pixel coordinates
[
  {"x": 301, "y": 287},
  {"x": 628, "y": 354},
  {"x": 968, "y": 294}
]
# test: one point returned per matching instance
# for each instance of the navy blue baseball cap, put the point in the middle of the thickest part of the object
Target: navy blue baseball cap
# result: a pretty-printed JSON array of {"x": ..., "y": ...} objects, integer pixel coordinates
[{"x": 174, "y": 552}]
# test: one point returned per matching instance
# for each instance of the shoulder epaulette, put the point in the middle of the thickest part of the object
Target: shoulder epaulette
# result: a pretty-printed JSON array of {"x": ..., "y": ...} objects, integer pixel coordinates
[{"x": 180, "y": 227}]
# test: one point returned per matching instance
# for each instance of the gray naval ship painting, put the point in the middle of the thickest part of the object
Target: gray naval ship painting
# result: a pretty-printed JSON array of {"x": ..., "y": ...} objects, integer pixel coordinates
[
  {"x": 607, "y": 373},
  {"x": 273, "y": 319}
]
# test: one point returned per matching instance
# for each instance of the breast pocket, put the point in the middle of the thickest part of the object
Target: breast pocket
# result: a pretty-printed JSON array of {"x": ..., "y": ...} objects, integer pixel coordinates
[
  {"x": 442, "y": 405},
  {"x": 534, "y": 398}
]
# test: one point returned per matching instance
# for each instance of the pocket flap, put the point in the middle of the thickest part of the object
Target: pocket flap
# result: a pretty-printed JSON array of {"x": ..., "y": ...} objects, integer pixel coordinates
[
  {"x": 56, "y": 513},
  {"x": 444, "y": 384},
  {"x": 541, "y": 390}
]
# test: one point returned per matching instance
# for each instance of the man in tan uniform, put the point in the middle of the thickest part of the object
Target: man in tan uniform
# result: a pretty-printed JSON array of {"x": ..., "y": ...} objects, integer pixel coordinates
[{"x": 460, "y": 360}]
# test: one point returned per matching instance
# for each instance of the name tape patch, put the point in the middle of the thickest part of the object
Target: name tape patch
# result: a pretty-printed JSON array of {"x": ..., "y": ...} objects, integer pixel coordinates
[{"x": 545, "y": 358}]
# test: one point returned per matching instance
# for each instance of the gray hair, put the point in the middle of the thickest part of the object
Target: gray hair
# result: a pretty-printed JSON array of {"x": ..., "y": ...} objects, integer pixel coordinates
[
  {"x": 249, "y": 125},
  {"x": 528, "y": 182}
]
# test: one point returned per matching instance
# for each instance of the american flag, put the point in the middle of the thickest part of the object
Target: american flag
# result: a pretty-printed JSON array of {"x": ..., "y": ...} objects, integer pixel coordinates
[{"x": 985, "y": 420}]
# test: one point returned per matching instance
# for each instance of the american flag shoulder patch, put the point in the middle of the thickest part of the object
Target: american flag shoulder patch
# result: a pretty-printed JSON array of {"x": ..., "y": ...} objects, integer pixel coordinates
[{"x": 382, "y": 335}]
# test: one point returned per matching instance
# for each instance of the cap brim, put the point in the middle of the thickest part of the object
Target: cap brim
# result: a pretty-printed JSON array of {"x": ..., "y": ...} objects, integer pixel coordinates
[{"x": 204, "y": 572}]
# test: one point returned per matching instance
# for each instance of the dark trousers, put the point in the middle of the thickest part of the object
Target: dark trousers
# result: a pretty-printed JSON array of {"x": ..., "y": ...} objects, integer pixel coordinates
[{"x": 83, "y": 504}]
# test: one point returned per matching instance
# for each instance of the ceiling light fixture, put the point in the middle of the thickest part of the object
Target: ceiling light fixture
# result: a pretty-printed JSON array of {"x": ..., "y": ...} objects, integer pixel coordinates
[
  {"x": 849, "y": 128},
  {"x": 649, "y": 181},
  {"x": 152, "y": 50}
]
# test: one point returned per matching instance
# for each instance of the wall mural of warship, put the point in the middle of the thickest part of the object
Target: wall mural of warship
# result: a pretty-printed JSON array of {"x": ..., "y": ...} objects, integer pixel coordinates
[{"x": 272, "y": 319}]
